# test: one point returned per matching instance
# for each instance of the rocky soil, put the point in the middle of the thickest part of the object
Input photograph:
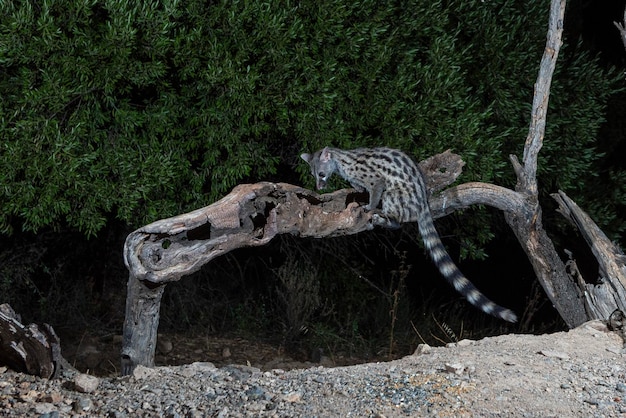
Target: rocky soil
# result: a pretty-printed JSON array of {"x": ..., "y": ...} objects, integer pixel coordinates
[{"x": 577, "y": 373}]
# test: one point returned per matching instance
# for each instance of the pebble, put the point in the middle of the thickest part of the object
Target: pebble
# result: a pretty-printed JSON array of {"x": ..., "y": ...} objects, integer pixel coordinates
[{"x": 86, "y": 383}]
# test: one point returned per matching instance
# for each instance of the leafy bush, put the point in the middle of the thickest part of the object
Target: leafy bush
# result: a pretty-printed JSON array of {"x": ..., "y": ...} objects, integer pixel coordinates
[{"x": 141, "y": 110}]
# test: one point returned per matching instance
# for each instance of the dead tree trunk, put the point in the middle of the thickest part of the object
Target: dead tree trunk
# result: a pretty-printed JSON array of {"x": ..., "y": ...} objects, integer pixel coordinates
[
  {"x": 527, "y": 222},
  {"x": 575, "y": 301}
]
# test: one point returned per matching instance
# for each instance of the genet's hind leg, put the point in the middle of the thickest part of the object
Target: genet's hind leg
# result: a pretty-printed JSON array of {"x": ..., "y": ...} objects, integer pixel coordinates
[{"x": 392, "y": 210}]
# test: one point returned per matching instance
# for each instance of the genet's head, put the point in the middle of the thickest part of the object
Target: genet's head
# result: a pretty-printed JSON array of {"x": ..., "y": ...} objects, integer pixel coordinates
[{"x": 322, "y": 166}]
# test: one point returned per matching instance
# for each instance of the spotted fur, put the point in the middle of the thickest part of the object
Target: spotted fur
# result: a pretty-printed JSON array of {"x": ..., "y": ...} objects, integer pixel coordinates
[{"x": 394, "y": 180}]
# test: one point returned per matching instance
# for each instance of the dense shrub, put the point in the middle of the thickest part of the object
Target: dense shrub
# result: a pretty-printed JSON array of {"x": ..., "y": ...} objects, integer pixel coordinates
[{"x": 140, "y": 110}]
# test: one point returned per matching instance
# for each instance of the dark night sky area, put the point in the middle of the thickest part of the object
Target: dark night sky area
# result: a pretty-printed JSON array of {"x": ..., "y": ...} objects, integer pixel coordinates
[{"x": 593, "y": 21}]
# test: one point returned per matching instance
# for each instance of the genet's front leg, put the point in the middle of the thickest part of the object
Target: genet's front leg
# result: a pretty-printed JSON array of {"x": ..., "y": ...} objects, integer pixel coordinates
[{"x": 376, "y": 192}]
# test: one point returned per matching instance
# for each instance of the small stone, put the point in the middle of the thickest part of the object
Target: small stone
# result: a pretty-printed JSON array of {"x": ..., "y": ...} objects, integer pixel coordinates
[
  {"x": 255, "y": 393},
  {"x": 327, "y": 361},
  {"x": 85, "y": 383},
  {"x": 164, "y": 345},
  {"x": 621, "y": 387},
  {"x": 143, "y": 372},
  {"x": 44, "y": 408},
  {"x": 293, "y": 397},
  {"x": 53, "y": 397},
  {"x": 422, "y": 349},
  {"x": 465, "y": 343},
  {"x": 83, "y": 405},
  {"x": 202, "y": 366},
  {"x": 226, "y": 352},
  {"x": 595, "y": 325},
  {"x": 30, "y": 396}
]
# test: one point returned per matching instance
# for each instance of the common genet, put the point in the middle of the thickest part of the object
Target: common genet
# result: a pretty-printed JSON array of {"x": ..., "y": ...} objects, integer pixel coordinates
[{"x": 394, "y": 180}]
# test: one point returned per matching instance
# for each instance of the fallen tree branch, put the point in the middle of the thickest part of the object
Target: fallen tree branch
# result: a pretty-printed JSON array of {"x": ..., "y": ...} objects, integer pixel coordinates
[
  {"x": 609, "y": 292},
  {"x": 475, "y": 193},
  {"x": 251, "y": 215}
]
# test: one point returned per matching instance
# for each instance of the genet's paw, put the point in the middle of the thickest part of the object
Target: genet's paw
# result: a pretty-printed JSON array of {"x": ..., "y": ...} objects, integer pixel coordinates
[{"x": 379, "y": 219}]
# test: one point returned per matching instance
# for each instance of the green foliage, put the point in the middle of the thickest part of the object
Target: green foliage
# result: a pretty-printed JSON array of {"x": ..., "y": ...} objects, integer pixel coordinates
[
  {"x": 114, "y": 108},
  {"x": 141, "y": 110}
]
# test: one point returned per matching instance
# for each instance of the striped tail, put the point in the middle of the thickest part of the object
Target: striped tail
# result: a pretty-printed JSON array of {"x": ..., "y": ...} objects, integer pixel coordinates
[{"x": 451, "y": 272}]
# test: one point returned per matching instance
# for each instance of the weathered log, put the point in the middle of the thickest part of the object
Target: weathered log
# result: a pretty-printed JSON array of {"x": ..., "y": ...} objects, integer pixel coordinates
[
  {"x": 251, "y": 215},
  {"x": 608, "y": 293},
  {"x": 30, "y": 349}
]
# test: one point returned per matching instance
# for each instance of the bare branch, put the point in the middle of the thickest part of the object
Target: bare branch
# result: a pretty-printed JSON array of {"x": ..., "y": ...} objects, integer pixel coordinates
[
  {"x": 251, "y": 215},
  {"x": 528, "y": 182},
  {"x": 475, "y": 193}
]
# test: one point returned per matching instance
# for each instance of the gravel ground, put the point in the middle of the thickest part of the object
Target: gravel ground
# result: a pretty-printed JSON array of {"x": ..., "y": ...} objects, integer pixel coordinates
[{"x": 577, "y": 373}]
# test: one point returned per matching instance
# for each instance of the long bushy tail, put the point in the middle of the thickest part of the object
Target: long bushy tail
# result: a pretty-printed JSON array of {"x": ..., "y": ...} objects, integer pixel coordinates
[{"x": 451, "y": 272}]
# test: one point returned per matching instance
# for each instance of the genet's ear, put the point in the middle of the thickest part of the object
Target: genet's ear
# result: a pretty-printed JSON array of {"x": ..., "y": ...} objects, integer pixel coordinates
[
  {"x": 325, "y": 155},
  {"x": 306, "y": 157}
]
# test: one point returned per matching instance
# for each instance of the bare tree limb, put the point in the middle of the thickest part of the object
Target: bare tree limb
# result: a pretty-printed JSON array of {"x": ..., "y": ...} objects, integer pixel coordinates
[
  {"x": 526, "y": 223},
  {"x": 475, "y": 193},
  {"x": 536, "y": 131}
]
